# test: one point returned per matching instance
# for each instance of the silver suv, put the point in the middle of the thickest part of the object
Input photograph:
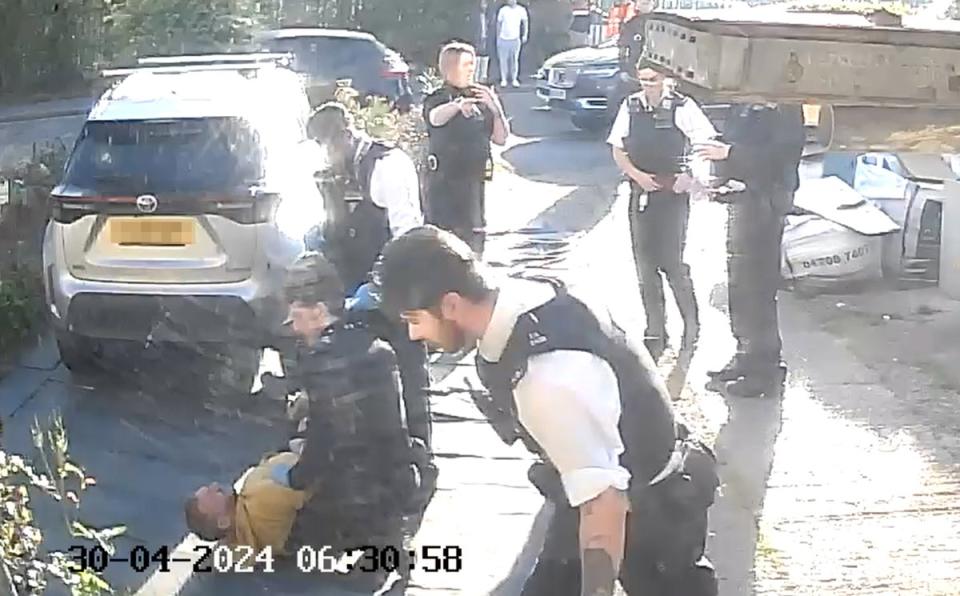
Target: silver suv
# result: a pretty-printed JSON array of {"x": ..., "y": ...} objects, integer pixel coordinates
[{"x": 187, "y": 194}]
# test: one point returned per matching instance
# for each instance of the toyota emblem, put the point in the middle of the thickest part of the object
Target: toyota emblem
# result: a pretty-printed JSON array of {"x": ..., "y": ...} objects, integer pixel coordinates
[{"x": 147, "y": 203}]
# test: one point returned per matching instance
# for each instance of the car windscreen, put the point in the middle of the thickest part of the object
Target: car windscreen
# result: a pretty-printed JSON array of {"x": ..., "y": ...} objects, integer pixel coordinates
[{"x": 185, "y": 155}]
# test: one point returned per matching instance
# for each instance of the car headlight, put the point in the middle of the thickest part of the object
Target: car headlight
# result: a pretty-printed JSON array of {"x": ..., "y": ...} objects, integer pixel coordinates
[{"x": 600, "y": 71}]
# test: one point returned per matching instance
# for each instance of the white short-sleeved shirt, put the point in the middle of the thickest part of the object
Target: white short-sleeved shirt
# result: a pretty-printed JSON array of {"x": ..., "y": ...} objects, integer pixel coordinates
[
  {"x": 569, "y": 401},
  {"x": 688, "y": 117},
  {"x": 510, "y": 22},
  {"x": 395, "y": 186}
]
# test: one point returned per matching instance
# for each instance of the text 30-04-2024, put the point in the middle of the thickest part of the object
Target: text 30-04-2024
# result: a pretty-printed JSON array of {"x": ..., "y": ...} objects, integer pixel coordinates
[{"x": 208, "y": 558}]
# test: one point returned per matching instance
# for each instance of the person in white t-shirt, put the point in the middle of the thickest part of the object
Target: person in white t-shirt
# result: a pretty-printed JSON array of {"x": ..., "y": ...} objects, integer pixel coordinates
[{"x": 513, "y": 30}]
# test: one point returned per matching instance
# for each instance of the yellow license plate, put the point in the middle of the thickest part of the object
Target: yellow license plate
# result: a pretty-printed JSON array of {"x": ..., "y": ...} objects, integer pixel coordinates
[{"x": 152, "y": 231}]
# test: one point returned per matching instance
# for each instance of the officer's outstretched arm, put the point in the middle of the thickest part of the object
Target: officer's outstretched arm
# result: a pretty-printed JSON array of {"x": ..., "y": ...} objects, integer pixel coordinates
[{"x": 602, "y": 538}]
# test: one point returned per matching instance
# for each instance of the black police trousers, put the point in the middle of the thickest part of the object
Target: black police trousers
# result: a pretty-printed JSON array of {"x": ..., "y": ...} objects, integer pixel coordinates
[
  {"x": 754, "y": 234},
  {"x": 659, "y": 236},
  {"x": 456, "y": 203},
  {"x": 666, "y": 538}
]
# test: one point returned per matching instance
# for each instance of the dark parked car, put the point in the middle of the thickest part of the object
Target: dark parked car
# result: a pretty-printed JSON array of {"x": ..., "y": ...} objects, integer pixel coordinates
[
  {"x": 586, "y": 82},
  {"x": 325, "y": 56}
]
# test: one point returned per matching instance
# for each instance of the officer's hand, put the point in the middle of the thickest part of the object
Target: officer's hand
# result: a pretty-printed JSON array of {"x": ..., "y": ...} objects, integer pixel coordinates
[
  {"x": 683, "y": 183},
  {"x": 468, "y": 107},
  {"x": 280, "y": 474},
  {"x": 646, "y": 182},
  {"x": 364, "y": 298},
  {"x": 485, "y": 96},
  {"x": 712, "y": 150}
]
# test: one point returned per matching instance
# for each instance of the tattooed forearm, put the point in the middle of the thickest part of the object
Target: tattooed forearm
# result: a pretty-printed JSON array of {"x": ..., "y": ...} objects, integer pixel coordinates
[{"x": 599, "y": 576}]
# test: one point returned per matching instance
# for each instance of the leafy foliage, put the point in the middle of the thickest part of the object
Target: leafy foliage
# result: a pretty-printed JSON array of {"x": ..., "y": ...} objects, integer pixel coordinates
[
  {"x": 24, "y": 568},
  {"x": 379, "y": 120},
  {"x": 20, "y": 293}
]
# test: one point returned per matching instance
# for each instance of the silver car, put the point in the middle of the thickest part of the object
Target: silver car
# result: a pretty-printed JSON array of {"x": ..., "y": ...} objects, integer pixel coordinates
[{"x": 187, "y": 194}]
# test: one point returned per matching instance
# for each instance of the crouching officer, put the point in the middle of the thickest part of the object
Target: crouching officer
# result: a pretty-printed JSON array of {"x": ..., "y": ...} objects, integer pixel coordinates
[
  {"x": 650, "y": 138},
  {"x": 762, "y": 148},
  {"x": 357, "y": 455},
  {"x": 462, "y": 118},
  {"x": 377, "y": 198},
  {"x": 631, "y": 488}
]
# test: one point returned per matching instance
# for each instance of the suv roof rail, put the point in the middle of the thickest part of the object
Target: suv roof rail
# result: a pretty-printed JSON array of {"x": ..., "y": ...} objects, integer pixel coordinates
[
  {"x": 253, "y": 57},
  {"x": 205, "y": 62}
]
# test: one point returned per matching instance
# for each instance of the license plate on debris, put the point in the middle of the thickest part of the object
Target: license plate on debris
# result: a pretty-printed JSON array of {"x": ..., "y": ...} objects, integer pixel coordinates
[{"x": 152, "y": 231}]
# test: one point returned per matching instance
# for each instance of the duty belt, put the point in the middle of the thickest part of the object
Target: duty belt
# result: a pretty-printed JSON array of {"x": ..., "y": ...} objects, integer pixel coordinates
[
  {"x": 675, "y": 463},
  {"x": 433, "y": 165}
]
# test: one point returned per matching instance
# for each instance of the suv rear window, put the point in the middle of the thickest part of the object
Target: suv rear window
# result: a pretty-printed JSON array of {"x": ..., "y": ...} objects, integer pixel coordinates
[
  {"x": 328, "y": 57},
  {"x": 187, "y": 155}
]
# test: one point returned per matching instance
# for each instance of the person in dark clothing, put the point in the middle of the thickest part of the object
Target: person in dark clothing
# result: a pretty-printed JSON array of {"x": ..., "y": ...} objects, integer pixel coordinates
[
  {"x": 356, "y": 455},
  {"x": 462, "y": 119},
  {"x": 377, "y": 197},
  {"x": 650, "y": 140},
  {"x": 632, "y": 35},
  {"x": 630, "y": 486},
  {"x": 762, "y": 147}
]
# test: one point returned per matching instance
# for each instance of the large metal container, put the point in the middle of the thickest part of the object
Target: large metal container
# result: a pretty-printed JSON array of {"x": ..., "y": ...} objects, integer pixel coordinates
[{"x": 887, "y": 88}]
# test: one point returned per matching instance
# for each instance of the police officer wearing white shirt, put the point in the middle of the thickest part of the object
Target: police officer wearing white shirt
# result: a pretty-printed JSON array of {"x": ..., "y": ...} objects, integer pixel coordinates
[
  {"x": 631, "y": 488},
  {"x": 381, "y": 200},
  {"x": 651, "y": 137}
]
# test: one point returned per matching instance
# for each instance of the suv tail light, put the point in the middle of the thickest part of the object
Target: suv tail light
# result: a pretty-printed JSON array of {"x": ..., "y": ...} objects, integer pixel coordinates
[
  {"x": 243, "y": 209},
  {"x": 394, "y": 68}
]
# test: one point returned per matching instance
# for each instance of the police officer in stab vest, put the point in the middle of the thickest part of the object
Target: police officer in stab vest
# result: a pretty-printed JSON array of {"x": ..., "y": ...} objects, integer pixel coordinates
[
  {"x": 357, "y": 457},
  {"x": 650, "y": 137},
  {"x": 630, "y": 486},
  {"x": 462, "y": 119},
  {"x": 379, "y": 199},
  {"x": 762, "y": 147}
]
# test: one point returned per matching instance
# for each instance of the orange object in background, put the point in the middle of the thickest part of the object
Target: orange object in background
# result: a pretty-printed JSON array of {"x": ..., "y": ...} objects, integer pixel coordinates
[{"x": 618, "y": 15}]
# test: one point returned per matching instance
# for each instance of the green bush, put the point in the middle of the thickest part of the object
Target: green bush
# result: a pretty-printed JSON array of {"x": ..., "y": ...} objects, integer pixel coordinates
[
  {"x": 20, "y": 305},
  {"x": 379, "y": 120},
  {"x": 25, "y": 569}
]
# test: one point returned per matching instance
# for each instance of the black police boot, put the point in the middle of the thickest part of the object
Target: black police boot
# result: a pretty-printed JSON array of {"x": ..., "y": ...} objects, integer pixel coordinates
[
  {"x": 760, "y": 383},
  {"x": 731, "y": 371}
]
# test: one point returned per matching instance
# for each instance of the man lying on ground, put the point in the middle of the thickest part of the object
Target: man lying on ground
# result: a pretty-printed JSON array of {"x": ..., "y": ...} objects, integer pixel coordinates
[{"x": 259, "y": 513}]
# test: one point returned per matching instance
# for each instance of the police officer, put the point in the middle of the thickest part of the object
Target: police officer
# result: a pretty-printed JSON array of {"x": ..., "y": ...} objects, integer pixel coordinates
[
  {"x": 762, "y": 147},
  {"x": 356, "y": 459},
  {"x": 631, "y": 488},
  {"x": 379, "y": 199},
  {"x": 650, "y": 138},
  {"x": 462, "y": 119}
]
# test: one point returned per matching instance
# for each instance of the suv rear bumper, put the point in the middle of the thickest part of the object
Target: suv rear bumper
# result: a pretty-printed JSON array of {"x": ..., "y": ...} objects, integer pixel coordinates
[{"x": 250, "y": 311}]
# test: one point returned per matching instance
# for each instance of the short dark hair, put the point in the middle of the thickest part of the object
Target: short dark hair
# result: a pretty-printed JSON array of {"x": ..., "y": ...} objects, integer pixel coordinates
[
  {"x": 329, "y": 121},
  {"x": 313, "y": 279},
  {"x": 202, "y": 525},
  {"x": 424, "y": 264}
]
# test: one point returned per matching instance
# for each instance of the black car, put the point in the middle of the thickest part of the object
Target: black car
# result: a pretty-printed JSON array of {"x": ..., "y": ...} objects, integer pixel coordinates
[
  {"x": 325, "y": 56},
  {"x": 586, "y": 82}
]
